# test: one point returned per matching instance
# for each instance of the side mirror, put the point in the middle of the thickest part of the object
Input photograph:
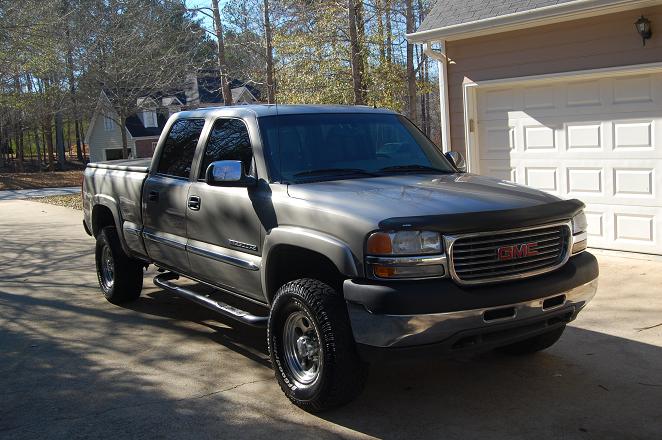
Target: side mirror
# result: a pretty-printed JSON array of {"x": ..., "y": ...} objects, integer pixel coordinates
[
  {"x": 228, "y": 173},
  {"x": 457, "y": 160}
]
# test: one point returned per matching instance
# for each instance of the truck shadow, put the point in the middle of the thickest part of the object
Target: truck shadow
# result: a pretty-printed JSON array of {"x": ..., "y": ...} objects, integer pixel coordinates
[{"x": 590, "y": 383}]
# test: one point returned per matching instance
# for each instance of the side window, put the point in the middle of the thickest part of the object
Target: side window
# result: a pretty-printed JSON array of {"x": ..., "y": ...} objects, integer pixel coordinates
[
  {"x": 228, "y": 140},
  {"x": 179, "y": 147}
]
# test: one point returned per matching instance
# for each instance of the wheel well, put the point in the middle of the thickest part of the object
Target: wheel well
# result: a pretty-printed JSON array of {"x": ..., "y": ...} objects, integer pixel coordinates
[
  {"x": 287, "y": 263},
  {"x": 102, "y": 216}
]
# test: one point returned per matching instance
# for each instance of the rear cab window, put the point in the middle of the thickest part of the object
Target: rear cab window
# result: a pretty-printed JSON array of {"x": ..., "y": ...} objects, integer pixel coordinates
[{"x": 179, "y": 148}]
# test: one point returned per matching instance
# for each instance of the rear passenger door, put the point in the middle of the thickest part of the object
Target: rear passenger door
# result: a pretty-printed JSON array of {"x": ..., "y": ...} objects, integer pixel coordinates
[
  {"x": 222, "y": 226},
  {"x": 165, "y": 195}
]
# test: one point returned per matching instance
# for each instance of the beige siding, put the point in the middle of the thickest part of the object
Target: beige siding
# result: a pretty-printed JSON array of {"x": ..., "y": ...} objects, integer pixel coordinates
[
  {"x": 604, "y": 41},
  {"x": 101, "y": 139}
]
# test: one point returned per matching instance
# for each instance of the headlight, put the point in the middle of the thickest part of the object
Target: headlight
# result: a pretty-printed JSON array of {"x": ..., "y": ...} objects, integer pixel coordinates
[
  {"x": 405, "y": 254},
  {"x": 404, "y": 243},
  {"x": 579, "y": 223},
  {"x": 579, "y": 235}
]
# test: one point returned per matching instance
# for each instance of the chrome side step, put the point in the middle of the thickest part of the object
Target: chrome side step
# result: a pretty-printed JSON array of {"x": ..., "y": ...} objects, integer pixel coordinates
[{"x": 164, "y": 281}]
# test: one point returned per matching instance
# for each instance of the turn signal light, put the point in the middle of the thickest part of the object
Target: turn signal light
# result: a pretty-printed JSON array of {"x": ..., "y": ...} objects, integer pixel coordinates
[{"x": 379, "y": 243}]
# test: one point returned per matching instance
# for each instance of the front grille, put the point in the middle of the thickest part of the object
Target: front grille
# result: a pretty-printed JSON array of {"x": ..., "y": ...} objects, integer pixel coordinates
[{"x": 499, "y": 256}]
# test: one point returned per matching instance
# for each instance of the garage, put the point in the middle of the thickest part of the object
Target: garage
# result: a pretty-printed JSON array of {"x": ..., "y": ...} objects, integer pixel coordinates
[
  {"x": 596, "y": 138},
  {"x": 561, "y": 95}
]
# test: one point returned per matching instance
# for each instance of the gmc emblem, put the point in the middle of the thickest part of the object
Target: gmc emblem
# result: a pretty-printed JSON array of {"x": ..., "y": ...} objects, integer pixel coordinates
[{"x": 514, "y": 251}]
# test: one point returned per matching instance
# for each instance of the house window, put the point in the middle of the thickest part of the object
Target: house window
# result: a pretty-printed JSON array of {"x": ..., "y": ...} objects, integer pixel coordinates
[
  {"x": 108, "y": 124},
  {"x": 113, "y": 153},
  {"x": 149, "y": 118}
]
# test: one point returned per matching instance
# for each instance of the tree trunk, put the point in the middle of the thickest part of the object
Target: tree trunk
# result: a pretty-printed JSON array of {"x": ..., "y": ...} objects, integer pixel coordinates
[
  {"x": 357, "y": 80},
  {"x": 380, "y": 31},
  {"x": 411, "y": 74},
  {"x": 38, "y": 148},
  {"x": 125, "y": 141},
  {"x": 59, "y": 139},
  {"x": 48, "y": 134},
  {"x": 389, "y": 31},
  {"x": 271, "y": 87},
  {"x": 220, "y": 45}
]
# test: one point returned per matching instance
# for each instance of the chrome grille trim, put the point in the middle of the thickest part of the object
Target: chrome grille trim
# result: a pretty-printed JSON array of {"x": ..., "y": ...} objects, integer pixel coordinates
[{"x": 468, "y": 266}]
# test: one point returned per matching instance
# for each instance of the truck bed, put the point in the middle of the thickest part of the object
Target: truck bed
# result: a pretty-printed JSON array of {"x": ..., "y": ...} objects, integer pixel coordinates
[{"x": 135, "y": 165}]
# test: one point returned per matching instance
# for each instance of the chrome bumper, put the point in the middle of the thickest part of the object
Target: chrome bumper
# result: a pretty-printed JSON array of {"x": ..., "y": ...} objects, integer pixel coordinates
[{"x": 412, "y": 330}]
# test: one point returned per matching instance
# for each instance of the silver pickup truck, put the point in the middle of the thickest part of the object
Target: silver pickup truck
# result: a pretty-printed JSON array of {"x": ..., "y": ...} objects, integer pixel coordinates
[{"x": 349, "y": 232}]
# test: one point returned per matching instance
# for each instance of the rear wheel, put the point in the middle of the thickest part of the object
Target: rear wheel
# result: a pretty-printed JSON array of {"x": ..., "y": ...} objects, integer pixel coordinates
[
  {"x": 120, "y": 276},
  {"x": 534, "y": 344},
  {"x": 312, "y": 348}
]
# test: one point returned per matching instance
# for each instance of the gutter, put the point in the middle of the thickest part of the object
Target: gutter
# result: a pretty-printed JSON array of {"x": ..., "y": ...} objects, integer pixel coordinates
[
  {"x": 535, "y": 17},
  {"x": 442, "y": 64}
]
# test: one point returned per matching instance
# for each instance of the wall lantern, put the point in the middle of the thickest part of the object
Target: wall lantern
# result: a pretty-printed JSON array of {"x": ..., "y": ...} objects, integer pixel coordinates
[{"x": 643, "y": 26}]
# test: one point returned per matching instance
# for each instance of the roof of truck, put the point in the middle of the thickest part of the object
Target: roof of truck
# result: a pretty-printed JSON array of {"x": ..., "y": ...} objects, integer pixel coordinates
[{"x": 260, "y": 110}]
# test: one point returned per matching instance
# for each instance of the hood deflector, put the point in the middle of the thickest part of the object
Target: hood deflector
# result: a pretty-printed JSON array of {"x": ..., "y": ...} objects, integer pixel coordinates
[{"x": 488, "y": 220}]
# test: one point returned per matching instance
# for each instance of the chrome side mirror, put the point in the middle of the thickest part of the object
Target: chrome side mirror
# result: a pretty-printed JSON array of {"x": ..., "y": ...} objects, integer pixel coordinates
[
  {"x": 457, "y": 160},
  {"x": 228, "y": 173}
]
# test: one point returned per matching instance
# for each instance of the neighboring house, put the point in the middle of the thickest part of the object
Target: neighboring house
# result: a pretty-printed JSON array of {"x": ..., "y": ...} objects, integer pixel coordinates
[
  {"x": 561, "y": 95},
  {"x": 104, "y": 136}
]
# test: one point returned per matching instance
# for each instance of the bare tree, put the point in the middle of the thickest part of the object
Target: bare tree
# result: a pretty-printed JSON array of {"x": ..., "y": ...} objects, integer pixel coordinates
[
  {"x": 411, "y": 74},
  {"x": 269, "y": 51},
  {"x": 222, "y": 67},
  {"x": 355, "y": 49}
]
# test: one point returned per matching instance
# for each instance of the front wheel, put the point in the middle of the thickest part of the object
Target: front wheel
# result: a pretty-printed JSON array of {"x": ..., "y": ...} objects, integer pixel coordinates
[
  {"x": 120, "y": 276},
  {"x": 312, "y": 348}
]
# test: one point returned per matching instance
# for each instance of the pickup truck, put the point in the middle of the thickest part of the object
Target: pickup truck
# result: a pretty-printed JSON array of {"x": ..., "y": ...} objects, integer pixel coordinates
[{"x": 346, "y": 233}]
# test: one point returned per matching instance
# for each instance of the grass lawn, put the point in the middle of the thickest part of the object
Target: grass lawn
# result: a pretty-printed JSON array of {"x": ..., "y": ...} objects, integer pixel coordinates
[
  {"x": 52, "y": 179},
  {"x": 71, "y": 201}
]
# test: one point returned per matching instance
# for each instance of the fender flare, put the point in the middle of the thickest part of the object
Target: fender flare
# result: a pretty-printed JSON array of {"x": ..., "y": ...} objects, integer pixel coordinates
[
  {"x": 337, "y": 251},
  {"x": 111, "y": 204}
]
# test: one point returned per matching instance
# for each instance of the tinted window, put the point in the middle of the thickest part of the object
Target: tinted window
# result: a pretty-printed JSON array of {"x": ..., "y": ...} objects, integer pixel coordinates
[
  {"x": 179, "y": 147},
  {"x": 228, "y": 140},
  {"x": 297, "y": 144}
]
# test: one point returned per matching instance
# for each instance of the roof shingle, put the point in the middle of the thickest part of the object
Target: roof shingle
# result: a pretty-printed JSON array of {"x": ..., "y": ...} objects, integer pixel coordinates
[{"x": 453, "y": 12}]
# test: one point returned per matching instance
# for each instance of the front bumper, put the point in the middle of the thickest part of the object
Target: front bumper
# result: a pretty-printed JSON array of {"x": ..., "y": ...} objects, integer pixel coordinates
[{"x": 495, "y": 322}]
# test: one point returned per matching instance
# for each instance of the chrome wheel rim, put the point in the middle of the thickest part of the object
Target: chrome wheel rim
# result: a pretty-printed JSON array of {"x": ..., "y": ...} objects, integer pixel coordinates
[
  {"x": 302, "y": 348},
  {"x": 107, "y": 268}
]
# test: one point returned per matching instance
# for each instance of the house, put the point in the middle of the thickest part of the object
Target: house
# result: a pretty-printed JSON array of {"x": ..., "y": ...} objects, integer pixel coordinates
[
  {"x": 104, "y": 137},
  {"x": 143, "y": 129},
  {"x": 562, "y": 95}
]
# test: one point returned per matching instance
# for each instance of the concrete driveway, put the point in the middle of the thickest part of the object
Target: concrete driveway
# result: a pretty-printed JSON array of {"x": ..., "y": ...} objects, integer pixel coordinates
[{"x": 74, "y": 366}]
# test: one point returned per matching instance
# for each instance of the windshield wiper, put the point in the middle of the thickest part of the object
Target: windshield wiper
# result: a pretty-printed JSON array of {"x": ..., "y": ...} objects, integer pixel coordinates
[
  {"x": 413, "y": 167},
  {"x": 335, "y": 172}
]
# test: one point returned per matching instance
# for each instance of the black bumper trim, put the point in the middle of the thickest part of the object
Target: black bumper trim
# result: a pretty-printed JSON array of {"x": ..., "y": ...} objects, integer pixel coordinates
[{"x": 439, "y": 296}]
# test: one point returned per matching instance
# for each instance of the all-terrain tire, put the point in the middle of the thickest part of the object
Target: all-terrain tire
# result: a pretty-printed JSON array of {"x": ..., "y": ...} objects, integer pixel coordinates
[
  {"x": 120, "y": 276},
  {"x": 341, "y": 373},
  {"x": 534, "y": 344}
]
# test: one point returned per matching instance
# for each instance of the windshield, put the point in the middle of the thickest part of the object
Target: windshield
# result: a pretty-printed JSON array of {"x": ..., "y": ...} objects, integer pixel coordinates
[{"x": 327, "y": 146}]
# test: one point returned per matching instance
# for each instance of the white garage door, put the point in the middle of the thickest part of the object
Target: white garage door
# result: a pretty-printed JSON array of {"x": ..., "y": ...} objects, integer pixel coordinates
[{"x": 599, "y": 141}]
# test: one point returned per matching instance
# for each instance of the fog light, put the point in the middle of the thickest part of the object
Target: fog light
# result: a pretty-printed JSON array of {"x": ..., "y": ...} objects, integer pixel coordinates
[
  {"x": 579, "y": 246},
  {"x": 393, "y": 272}
]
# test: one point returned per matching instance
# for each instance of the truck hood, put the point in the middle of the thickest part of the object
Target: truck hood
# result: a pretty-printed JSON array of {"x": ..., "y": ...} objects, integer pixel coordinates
[{"x": 418, "y": 195}]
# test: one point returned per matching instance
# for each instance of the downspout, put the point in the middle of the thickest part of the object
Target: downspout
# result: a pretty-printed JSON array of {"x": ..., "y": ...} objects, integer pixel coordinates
[{"x": 442, "y": 65}]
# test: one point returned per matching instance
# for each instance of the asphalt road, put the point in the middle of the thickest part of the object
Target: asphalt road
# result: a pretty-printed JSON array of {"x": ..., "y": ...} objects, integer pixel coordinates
[{"x": 74, "y": 366}]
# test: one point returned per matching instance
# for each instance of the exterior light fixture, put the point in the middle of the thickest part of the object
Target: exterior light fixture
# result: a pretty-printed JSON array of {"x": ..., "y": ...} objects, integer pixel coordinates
[{"x": 643, "y": 26}]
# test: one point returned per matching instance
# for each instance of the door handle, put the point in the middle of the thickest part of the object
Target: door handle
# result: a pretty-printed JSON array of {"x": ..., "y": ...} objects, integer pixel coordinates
[
  {"x": 153, "y": 196},
  {"x": 194, "y": 203}
]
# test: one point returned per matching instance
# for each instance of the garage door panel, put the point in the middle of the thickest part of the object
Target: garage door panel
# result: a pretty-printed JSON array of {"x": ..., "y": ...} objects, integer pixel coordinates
[{"x": 598, "y": 141}]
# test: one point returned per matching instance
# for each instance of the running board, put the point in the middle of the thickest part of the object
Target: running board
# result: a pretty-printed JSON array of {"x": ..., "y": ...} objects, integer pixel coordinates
[{"x": 164, "y": 281}]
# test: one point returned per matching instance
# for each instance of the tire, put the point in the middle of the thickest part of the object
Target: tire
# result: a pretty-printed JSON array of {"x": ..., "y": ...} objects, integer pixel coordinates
[
  {"x": 120, "y": 276},
  {"x": 312, "y": 348},
  {"x": 534, "y": 344}
]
